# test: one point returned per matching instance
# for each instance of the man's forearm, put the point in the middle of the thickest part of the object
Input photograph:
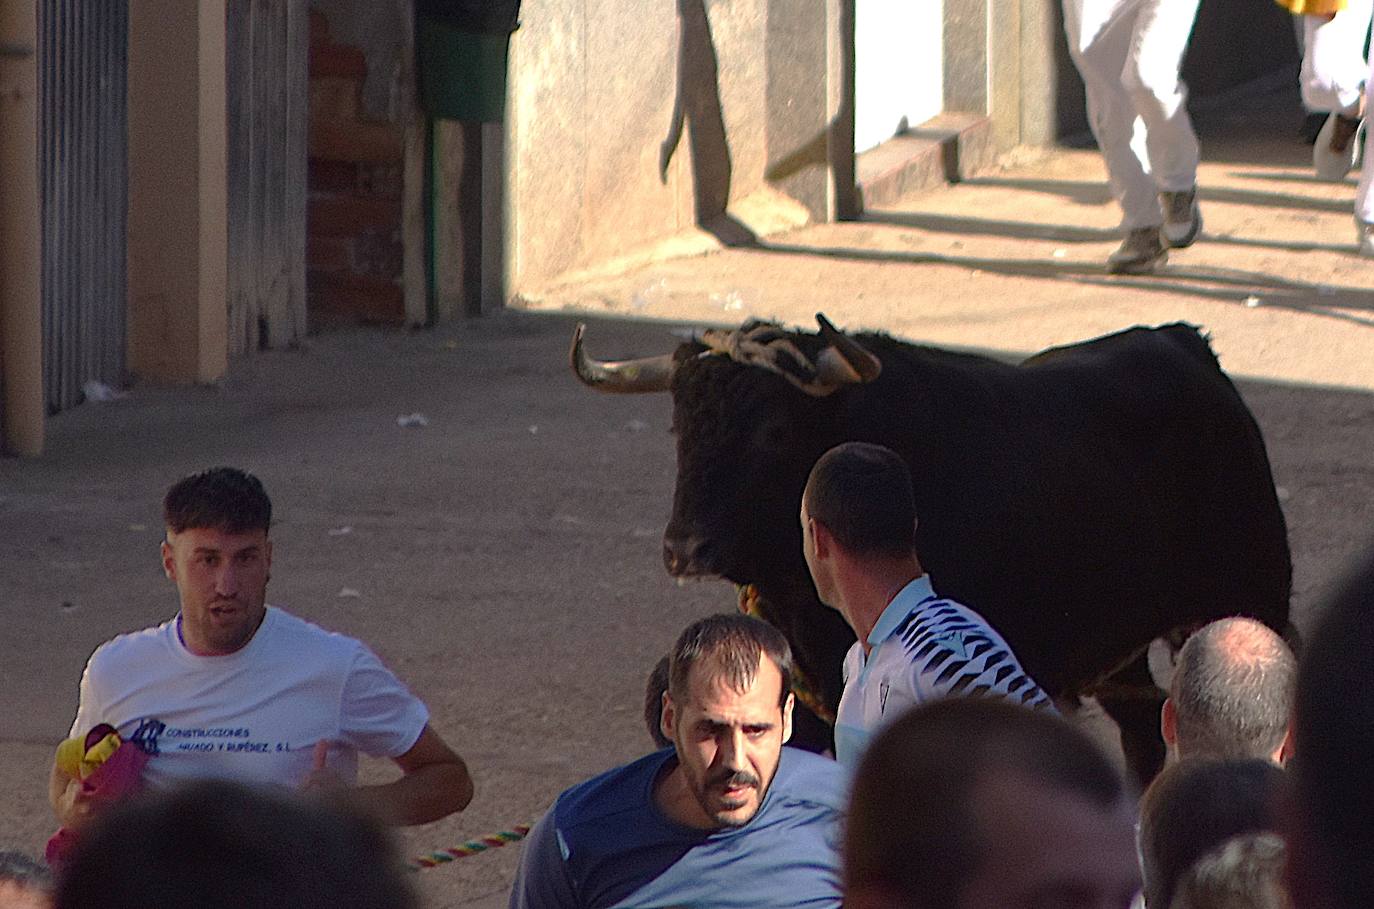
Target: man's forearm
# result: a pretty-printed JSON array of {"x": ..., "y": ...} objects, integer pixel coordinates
[{"x": 425, "y": 794}]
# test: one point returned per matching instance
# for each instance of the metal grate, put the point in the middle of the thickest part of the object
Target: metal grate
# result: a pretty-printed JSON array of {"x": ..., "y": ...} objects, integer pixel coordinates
[{"x": 83, "y": 169}]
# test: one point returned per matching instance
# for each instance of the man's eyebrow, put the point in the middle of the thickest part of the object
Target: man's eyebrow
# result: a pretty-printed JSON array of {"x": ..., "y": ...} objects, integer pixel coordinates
[{"x": 721, "y": 724}]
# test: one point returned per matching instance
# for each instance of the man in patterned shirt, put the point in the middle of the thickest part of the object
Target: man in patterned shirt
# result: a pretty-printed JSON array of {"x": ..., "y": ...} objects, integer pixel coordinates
[{"x": 858, "y": 519}]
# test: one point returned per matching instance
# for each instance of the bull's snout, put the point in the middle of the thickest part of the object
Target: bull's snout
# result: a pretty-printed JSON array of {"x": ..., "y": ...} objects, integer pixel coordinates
[{"x": 687, "y": 557}]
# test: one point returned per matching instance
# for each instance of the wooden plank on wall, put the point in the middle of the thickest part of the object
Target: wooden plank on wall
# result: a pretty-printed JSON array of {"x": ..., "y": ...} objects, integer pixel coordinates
[
  {"x": 268, "y": 60},
  {"x": 239, "y": 76},
  {"x": 297, "y": 84},
  {"x": 270, "y": 51},
  {"x": 259, "y": 127}
]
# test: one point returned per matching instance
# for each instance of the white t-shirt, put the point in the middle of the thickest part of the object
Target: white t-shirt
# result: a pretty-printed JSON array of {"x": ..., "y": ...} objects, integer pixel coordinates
[
  {"x": 924, "y": 648},
  {"x": 253, "y": 715}
]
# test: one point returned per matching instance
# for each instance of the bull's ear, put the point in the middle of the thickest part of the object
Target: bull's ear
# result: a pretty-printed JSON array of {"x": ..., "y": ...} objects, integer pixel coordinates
[{"x": 844, "y": 361}]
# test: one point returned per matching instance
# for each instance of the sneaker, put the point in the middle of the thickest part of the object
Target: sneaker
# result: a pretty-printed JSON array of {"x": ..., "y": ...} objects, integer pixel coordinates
[
  {"x": 1364, "y": 238},
  {"x": 1337, "y": 147},
  {"x": 1139, "y": 253},
  {"x": 1182, "y": 217}
]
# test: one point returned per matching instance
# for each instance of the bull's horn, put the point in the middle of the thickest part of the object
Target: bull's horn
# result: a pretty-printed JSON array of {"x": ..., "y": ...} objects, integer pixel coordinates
[
  {"x": 844, "y": 361},
  {"x": 627, "y": 376}
]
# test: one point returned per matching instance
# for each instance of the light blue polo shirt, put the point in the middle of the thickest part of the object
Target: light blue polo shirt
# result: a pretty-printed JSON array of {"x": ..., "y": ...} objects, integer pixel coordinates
[{"x": 924, "y": 648}]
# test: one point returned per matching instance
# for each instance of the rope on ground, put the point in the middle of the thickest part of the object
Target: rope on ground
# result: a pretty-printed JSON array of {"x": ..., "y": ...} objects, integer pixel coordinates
[{"x": 471, "y": 847}]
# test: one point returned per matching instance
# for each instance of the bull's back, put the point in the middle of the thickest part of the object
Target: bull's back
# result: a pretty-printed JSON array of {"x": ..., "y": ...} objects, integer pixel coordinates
[{"x": 1097, "y": 496}]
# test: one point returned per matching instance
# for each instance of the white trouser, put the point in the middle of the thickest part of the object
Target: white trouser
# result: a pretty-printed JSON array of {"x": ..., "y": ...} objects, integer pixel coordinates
[
  {"x": 1129, "y": 52},
  {"x": 1333, "y": 62},
  {"x": 1364, "y": 194}
]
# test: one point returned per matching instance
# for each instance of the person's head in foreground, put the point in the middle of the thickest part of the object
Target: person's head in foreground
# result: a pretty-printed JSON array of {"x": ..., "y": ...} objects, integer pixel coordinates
[
  {"x": 1245, "y": 872},
  {"x": 727, "y": 711},
  {"x": 1196, "y": 805},
  {"x": 980, "y": 804},
  {"x": 1232, "y": 693},
  {"x": 1331, "y": 819},
  {"x": 24, "y": 882},
  {"x": 217, "y": 845}
]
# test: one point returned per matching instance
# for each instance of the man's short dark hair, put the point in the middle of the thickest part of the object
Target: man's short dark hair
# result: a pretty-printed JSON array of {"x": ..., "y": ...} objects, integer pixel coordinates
[
  {"x": 731, "y": 644},
  {"x": 221, "y": 498},
  {"x": 217, "y": 845},
  {"x": 1197, "y": 804},
  {"x": 912, "y": 830},
  {"x": 1233, "y": 690},
  {"x": 1245, "y": 872},
  {"x": 862, "y": 494},
  {"x": 1333, "y": 732},
  {"x": 654, "y": 687}
]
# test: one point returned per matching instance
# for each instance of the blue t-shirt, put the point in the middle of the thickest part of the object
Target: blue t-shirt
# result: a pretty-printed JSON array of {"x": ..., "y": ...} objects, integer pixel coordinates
[{"x": 605, "y": 843}]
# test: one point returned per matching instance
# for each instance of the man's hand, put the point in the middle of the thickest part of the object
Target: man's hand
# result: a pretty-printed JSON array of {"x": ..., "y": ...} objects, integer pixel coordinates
[
  {"x": 70, "y": 800},
  {"x": 321, "y": 778}
]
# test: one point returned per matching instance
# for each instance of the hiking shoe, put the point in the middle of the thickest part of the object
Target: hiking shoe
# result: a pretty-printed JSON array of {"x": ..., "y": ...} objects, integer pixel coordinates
[
  {"x": 1364, "y": 238},
  {"x": 1182, "y": 217},
  {"x": 1139, "y": 253},
  {"x": 1337, "y": 147}
]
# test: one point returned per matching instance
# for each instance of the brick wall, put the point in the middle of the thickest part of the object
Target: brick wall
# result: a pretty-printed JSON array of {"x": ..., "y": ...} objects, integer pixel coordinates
[{"x": 353, "y": 245}]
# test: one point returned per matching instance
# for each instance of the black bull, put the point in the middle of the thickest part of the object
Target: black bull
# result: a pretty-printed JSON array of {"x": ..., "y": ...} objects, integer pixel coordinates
[{"x": 1086, "y": 501}]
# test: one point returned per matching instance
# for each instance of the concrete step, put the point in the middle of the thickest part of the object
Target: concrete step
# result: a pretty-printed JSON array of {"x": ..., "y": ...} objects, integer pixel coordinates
[{"x": 945, "y": 149}]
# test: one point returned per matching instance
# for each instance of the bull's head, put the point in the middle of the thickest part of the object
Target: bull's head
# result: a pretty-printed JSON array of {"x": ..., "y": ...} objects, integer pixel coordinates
[
  {"x": 752, "y": 411},
  {"x": 842, "y": 361},
  {"x": 742, "y": 436}
]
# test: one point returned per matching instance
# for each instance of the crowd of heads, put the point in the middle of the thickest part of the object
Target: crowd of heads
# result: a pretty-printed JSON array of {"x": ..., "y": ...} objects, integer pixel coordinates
[{"x": 968, "y": 803}]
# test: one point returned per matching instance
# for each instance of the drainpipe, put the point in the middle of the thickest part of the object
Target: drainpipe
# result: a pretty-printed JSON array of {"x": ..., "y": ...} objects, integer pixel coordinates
[{"x": 21, "y": 309}]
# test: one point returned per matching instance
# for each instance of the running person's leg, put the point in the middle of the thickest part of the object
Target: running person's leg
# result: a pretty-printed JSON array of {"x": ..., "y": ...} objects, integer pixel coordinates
[
  {"x": 1099, "y": 36},
  {"x": 1151, "y": 75}
]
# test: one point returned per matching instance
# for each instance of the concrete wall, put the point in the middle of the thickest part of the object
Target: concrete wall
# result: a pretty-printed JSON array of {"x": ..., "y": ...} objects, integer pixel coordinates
[{"x": 633, "y": 120}]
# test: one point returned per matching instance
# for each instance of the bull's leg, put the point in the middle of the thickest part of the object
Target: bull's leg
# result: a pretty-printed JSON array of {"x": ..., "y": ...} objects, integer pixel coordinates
[{"x": 1132, "y": 700}]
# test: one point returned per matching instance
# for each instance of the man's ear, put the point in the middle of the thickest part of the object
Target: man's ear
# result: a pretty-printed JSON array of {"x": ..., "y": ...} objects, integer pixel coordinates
[
  {"x": 787, "y": 717},
  {"x": 169, "y": 565},
  {"x": 667, "y": 718},
  {"x": 1285, "y": 752},
  {"x": 822, "y": 542},
  {"x": 1168, "y": 723}
]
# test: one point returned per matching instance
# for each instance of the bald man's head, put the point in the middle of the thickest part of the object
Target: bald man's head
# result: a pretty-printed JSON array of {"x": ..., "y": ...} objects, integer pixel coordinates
[{"x": 1232, "y": 693}]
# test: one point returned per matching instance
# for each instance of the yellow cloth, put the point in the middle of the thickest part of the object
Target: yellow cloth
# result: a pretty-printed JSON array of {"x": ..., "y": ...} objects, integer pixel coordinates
[
  {"x": 78, "y": 762},
  {"x": 1312, "y": 7}
]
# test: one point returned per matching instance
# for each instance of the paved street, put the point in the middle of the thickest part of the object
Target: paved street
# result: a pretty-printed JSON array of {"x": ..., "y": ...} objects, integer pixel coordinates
[{"x": 504, "y": 558}]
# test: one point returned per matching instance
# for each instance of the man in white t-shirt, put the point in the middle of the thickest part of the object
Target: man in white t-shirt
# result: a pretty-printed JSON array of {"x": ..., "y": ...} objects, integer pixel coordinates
[
  {"x": 232, "y": 688},
  {"x": 858, "y": 519}
]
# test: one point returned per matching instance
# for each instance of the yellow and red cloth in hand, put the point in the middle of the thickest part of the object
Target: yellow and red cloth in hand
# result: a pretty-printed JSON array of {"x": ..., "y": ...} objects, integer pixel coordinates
[
  {"x": 1312, "y": 7},
  {"x": 108, "y": 768}
]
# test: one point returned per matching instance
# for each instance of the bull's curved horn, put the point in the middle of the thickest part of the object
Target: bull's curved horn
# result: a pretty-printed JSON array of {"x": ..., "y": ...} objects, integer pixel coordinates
[
  {"x": 844, "y": 361},
  {"x": 624, "y": 376}
]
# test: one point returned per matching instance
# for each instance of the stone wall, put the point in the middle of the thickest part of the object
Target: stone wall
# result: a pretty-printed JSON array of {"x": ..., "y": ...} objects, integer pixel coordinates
[{"x": 631, "y": 121}]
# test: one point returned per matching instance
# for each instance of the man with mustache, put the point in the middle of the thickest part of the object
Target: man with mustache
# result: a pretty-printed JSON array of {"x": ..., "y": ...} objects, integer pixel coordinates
[
  {"x": 232, "y": 688},
  {"x": 727, "y": 817}
]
